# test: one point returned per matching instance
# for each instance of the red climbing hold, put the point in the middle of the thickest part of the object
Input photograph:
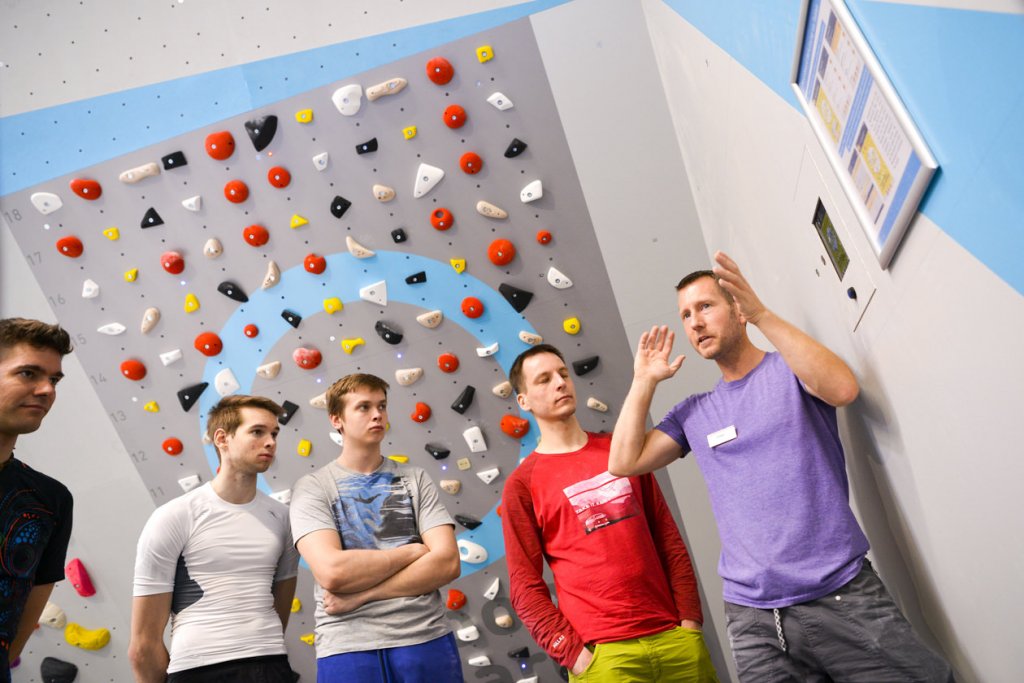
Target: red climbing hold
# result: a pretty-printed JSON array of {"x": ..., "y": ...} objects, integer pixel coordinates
[
  {"x": 313, "y": 263},
  {"x": 454, "y": 116},
  {"x": 256, "y": 235},
  {"x": 172, "y": 446},
  {"x": 279, "y": 176},
  {"x": 421, "y": 413},
  {"x": 70, "y": 246},
  {"x": 472, "y": 307},
  {"x": 440, "y": 70},
  {"x": 86, "y": 188},
  {"x": 236, "y": 191},
  {"x": 516, "y": 427},
  {"x": 456, "y": 599},
  {"x": 448, "y": 362},
  {"x": 79, "y": 578},
  {"x": 220, "y": 145},
  {"x": 501, "y": 252},
  {"x": 471, "y": 163},
  {"x": 133, "y": 369},
  {"x": 441, "y": 218},
  {"x": 307, "y": 359},
  {"x": 251, "y": 331},
  {"x": 173, "y": 262},
  {"x": 544, "y": 237},
  {"x": 208, "y": 344}
]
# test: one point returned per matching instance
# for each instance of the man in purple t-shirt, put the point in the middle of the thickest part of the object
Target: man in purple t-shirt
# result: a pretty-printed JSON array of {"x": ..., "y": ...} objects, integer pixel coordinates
[{"x": 802, "y": 601}]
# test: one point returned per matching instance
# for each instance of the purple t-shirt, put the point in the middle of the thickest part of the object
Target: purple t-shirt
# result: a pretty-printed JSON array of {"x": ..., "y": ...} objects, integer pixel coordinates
[{"x": 778, "y": 490}]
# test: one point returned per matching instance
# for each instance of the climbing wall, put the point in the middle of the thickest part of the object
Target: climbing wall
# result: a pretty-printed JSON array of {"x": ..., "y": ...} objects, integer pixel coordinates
[{"x": 421, "y": 221}]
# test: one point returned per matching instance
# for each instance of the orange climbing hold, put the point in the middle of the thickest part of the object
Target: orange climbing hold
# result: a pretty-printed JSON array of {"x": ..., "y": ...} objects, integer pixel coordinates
[
  {"x": 544, "y": 237},
  {"x": 472, "y": 307},
  {"x": 421, "y": 413},
  {"x": 441, "y": 218},
  {"x": 314, "y": 263},
  {"x": 70, "y": 246},
  {"x": 471, "y": 163},
  {"x": 440, "y": 70},
  {"x": 172, "y": 446},
  {"x": 220, "y": 145},
  {"x": 256, "y": 235},
  {"x": 208, "y": 344},
  {"x": 279, "y": 177},
  {"x": 516, "y": 427},
  {"x": 86, "y": 188},
  {"x": 251, "y": 331},
  {"x": 307, "y": 359},
  {"x": 236, "y": 191},
  {"x": 501, "y": 252},
  {"x": 456, "y": 599},
  {"x": 454, "y": 116},
  {"x": 172, "y": 262},
  {"x": 133, "y": 369},
  {"x": 448, "y": 362}
]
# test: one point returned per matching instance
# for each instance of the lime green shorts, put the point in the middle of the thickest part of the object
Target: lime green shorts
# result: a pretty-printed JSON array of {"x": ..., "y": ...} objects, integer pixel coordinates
[{"x": 678, "y": 655}]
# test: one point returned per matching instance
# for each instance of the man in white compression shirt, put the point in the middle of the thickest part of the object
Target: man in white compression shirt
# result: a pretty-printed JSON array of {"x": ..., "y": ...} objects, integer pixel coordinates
[{"x": 219, "y": 562}]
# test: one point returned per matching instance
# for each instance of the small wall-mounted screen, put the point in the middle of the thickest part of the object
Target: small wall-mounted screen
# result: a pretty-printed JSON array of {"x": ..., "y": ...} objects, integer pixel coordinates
[{"x": 830, "y": 238}]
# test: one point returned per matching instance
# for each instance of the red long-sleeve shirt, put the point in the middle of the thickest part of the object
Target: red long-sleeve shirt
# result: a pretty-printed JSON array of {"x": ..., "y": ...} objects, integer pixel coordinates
[{"x": 621, "y": 568}]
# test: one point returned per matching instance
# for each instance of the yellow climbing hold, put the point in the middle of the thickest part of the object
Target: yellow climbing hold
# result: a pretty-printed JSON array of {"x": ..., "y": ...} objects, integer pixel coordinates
[
  {"x": 131, "y": 275},
  {"x": 191, "y": 303},
  {"x": 399, "y": 458},
  {"x": 297, "y": 221},
  {"x": 409, "y": 132},
  {"x": 333, "y": 305},
  {"x": 296, "y": 605},
  {"x": 152, "y": 407},
  {"x": 349, "y": 345},
  {"x": 112, "y": 234},
  {"x": 86, "y": 639},
  {"x": 484, "y": 53},
  {"x": 571, "y": 325},
  {"x": 458, "y": 264},
  {"x": 304, "y": 448},
  {"x": 308, "y": 638},
  {"x": 304, "y": 115}
]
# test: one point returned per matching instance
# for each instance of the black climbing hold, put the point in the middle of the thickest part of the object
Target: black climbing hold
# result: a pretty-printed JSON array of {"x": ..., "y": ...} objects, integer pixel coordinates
[
  {"x": 339, "y": 205},
  {"x": 467, "y": 521},
  {"x": 515, "y": 148},
  {"x": 398, "y": 235},
  {"x": 261, "y": 131},
  {"x": 437, "y": 452},
  {"x": 416, "y": 278},
  {"x": 387, "y": 333},
  {"x": 289, "y": 412},
  {"x": 464, "y": 401},
  {"x": 519, "y": 653},
  {"x": 366, "y": 147},
  {"x": 291, "y": 317},
  {"x": 232, "y": 291},
  {"x": 585, "y": 365},
  {"x": 519, "y": 298},
  {"x": 174, "y": 160},
  {"x": 188, "y": 396},
  {"x": 151, "y": 219},
  {"x": 53, "y": 670}
]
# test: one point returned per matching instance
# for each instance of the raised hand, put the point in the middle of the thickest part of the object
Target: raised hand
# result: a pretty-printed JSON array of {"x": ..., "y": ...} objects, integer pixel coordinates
[
  {"x": 652, "y": 355},
  {"x": 732, "y": 280}
]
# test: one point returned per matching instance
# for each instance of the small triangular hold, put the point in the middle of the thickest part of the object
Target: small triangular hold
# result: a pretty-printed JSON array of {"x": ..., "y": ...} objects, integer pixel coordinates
[
  {"x": 450, "y": 486},
  {"x": 430, "y": 319},
  {"x": 174, "y": 160},
  {"x": 188, "y": 396},
  {"x": 585, "y": 365},
  {"x": 232, "y": 291},
  {"x": 339, "y": 205},
  {"x": 53, "y": 616},
  {"x": 490, "y": 210},
  {"x": 226, "y": 383},
  {"x": 336, "y": 437},
  {"x": 416, "y": 278},
  {"x": 398, "y": 235},
  {"x": 261, "y": 131},
  {"x": 213, "y": 248},
  {"x": 356, "y": 249},
  {"x": 515, "y": 148},
  {"x": 458, "y": 265},
  {"x": 598, "y": 405},
  {"x": 437, "y": 452},
  {"x": 90, "y": 290},
  {"x": 377, "y": 293},
  {"x": 269, "y": 370},
  {"x": 320, "y": 161},
  {"x": 387, "y": 333},
  {"x": 272, "y": 277},
  {"x": 518, "y": 298},
  {"x": 464, "y": 400},
  {"x": 532, "y": 192},
  {"x": 319, "y": 401},
  {"x": 193, "y": 204},
  {"x": 558, "y": 279},
  {"x": 289, "y": 412},
  {"x": 500, "y": 101},
  {"x": 169, "y": 357},
  {"x": 485, "y": 351},
  {"x": 291, "y": 317},
  {"x": 367, "y": 147},
  {"x": 388, "y": 87},
  {"x": 475, "y": 439},
  {"x": 383, "y": 193},
  {"x": 46, "y": 202},
  {"x": 134, "y": 175},
  {"x": 297, "y": 221},
  {"x": 530, "y": 338},
  {"x": 427, "y": 177},
  {"x": 408, "y": 376},
  {"x": 519, "y": 653},
  {"x": 503, "y": 390},
  {"x": 348, "y": 99},
  {"x": 151, "y": 219},
  {"x": 467, "y": 521},
  {"x": 492, "y": 589}
]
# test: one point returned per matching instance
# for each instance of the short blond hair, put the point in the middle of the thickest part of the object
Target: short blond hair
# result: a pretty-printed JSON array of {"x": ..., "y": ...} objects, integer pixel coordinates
[{"x": 349, "y": 383}]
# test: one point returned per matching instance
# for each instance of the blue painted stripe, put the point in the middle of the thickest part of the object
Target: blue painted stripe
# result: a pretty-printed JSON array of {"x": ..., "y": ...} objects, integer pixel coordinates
[
  {"x": 900, "y": 198},
  {"x": 40, "y": 145},
  {"x": 853, "y": 121}
]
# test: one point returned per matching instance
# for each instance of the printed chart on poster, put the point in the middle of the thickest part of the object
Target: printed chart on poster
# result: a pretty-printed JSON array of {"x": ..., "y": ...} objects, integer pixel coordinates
[{"x": 876, "y": 151}]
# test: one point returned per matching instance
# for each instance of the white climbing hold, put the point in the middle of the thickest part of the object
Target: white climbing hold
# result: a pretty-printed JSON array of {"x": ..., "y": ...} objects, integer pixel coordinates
[
  {"x": 269, "y": 370},
  {"x": 193, "y": 203},
  {"x": 149, "y": 320},
  {"x": 388, "y": 87},
  {"x": 468, "y": 634},
  {"x": 111, "y": 328},
  {"x": 356, "y": 249},
  {"x": 529, "y": 679},
  {"x": 46, "y": 202},
  {"x": 320, "y": 161},
  {"x": 190, "y": 482},
  {"x": 504, "y": 620},
  {"x": 532, "y": 192},
  {"x": 479, "y": 660},
  {"x": 348, "y": 99},
  {"x": 337, "y": 438},
  {"x": 427, "y": 177},
  {"x": 450, "y": 486},
  {"x": 504, "y": 390},
  {"x": 490, "y": 210},
  {"x": 471, "y": 552},
  {"x": 53, "y": 616},
  {"x": 430, "y": 319},
  {"x": 492, "y": 590},
  {"x": 284, "y": 497},
  {"x": 226, "y": 383},
  {"x": 319, "y": 401},
  {"x": 500, "y": 101},
  {"x": 489, "y": 475},
  {"x": 90, "y": 290},
  {"x": 530, "y": 338},
  {"x": 213, "y": 248},
  {"x": 272, "y": 277},
  {"x": 134, "y": 175},
  {"x": 171, "y": 356},
  {"x": 407, "y": 376},
  {"x": 595, "y": 404},
  {"x": 558, "y": 279},
  {"x": 377, "y": 293},
  {"x": 475, "y": 439},
  {"x": 383, "y": 193},
  {"x": 484, "y": 351}
]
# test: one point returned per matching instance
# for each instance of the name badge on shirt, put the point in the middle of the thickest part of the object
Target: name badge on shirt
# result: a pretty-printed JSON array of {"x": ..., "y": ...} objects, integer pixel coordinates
[{"x": 722, "y": 436}]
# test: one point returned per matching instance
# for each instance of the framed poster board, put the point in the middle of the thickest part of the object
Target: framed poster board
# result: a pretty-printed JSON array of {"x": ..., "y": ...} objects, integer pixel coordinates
[{"x": 879, "y": 156}]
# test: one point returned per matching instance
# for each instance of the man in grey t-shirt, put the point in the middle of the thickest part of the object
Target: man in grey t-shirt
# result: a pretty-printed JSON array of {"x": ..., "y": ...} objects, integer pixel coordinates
[{"x": 380, "y": 544}]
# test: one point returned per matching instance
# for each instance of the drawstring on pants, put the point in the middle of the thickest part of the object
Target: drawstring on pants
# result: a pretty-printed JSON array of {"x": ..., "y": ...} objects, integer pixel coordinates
[{"x": 778, "y": 629}]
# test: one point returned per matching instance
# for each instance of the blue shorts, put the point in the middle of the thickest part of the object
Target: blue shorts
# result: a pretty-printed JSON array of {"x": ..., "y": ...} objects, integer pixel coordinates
[{"x": 435, "y": 661}]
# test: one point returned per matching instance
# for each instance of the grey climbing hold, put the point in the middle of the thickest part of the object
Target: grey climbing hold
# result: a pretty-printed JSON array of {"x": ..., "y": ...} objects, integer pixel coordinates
[
  {"x": 261, "y": 131},
  {"x": 464, "y": 400},
  {"x": 53, "y": 670}
]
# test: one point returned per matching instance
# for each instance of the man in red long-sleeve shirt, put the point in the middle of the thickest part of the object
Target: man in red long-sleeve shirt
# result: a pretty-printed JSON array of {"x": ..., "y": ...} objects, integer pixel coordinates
[{"x": 628, "y": 608}]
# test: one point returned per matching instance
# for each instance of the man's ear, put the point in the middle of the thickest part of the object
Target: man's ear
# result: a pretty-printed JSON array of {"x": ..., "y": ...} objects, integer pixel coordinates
[
  {"x": 523, "y": 402},
  {"x": 739, "y": 313},
  {"x": 220, "y": 439},
  {"x": 337, "y": 422}
]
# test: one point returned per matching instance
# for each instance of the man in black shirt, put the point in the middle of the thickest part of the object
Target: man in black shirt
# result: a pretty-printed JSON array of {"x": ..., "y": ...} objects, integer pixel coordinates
[{"x": 35, "y": 510}]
